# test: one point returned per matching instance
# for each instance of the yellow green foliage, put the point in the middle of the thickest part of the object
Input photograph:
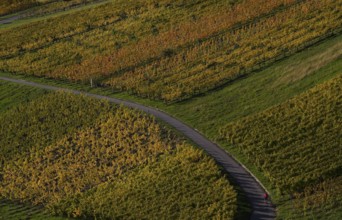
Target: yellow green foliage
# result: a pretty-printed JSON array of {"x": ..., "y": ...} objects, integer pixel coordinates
[
  {"x": 45, "y": 6},
  {"x": 296, "y": 143},
  {"x": 45, "y": 120},
  {"x": 228, "y": 56},
  {"x": 11, "y": 6},
  {"x": 325, "y": 197},
  {"x": 168, "y": 50},
  {"x": 182, "y": 184},
  {"x": 54, "y": 7},
  {"x": 13, "y": 94},
  {"x": 297, "y": 146},
  {"x": 118, "y": 163}
]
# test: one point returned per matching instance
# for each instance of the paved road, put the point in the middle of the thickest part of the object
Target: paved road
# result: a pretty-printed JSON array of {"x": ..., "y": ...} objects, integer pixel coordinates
[
  {"x": 241, "y": 176},
  {"x": 9, "y": 19}
]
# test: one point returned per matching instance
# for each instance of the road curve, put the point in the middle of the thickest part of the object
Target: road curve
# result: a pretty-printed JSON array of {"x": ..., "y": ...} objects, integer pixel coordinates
[{"x": 254, "y": 191}]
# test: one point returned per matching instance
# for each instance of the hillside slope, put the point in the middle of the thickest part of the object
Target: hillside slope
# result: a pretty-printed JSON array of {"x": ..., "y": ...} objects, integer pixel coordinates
[
  {"x": 297, "y": 144},
  {"x": 64, "y": 166},
  {"x": 171, "y": 50},
  {"x": 223, "y": 79}
]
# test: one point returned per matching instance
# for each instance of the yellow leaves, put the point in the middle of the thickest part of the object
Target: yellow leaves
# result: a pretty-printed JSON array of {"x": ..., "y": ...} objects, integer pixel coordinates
[
  {"x": 159, "y": 187},
  {"x": 114, "y": 145},
  {"x": 124, "y": 164},
  {"x": 202, "y": 66},
  {"x": 77, "y": 213},
  {"x": 205, "y": 52}
]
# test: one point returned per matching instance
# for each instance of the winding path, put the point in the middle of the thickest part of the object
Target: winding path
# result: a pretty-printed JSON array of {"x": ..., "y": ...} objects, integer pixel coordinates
[
  {"x": 254, "y": 191},
  {"x": 9, "y": 19}
]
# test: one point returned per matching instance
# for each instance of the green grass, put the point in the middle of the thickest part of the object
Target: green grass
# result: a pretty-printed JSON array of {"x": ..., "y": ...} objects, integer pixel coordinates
[
  {"x": 244, "y": 97},
  {"x": 255, "y": 93},
  {"x": 296, "y": 143},
  {"x": 265, "y": 88},
  {"x": 251, "y": 95},
  {"x": 12, "y": 211},
  {"x": 12, "y": 94},
  {"x": 101, "y": 169},
  {"x": 77, "y": 47},
  {"x": 239, "y": 99}
]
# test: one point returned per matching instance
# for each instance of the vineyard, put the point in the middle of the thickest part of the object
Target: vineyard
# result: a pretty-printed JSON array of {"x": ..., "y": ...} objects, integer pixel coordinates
[
  {"x": 80, "y": 157},
  {"x": 260, "y": 78},
  {"x": 322, "y": 200},
  {"x": 11, "y": 95},
  {"x": 15, "y": 211},
  {"x": 128, "y": 47},
  {"x": 11, "y": 6},
  {"x": 48, "y": 7},
  {"x": 228, "y": 56},
  {"x": 40, "y": 123},
  {"x": 117, "y": 23},
  {"x": 297, "y": 145}
]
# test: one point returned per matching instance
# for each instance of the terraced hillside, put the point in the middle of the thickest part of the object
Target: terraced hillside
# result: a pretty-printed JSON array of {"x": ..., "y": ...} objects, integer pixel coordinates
[
  {"x": 145, "y": 49},
  {"x": 80, "y": 157}
]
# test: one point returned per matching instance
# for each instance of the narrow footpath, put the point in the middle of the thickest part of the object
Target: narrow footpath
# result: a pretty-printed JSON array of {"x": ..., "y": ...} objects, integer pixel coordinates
[
  {"x": 254, "y": 191},
  {"x": 9, "y": 19}
]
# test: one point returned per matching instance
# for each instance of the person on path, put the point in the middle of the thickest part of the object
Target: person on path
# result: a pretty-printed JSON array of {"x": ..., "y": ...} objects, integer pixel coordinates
[{"x": 266, "y": 198}]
